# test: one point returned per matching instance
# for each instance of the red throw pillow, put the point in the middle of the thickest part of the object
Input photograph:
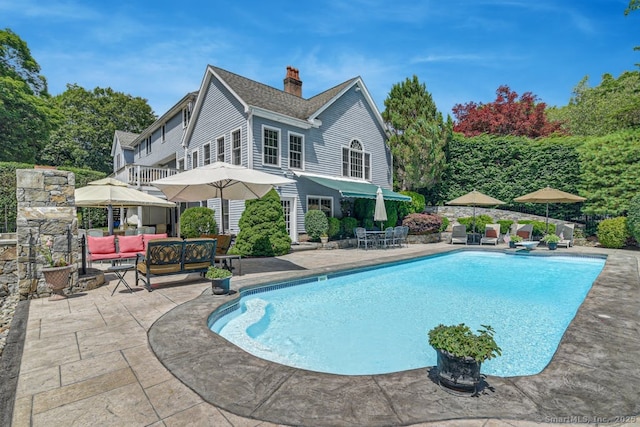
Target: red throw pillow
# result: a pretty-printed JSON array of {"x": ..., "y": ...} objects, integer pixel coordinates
[
  {"x": 102, "y": 245},
  {"x": 491, "y": 233},
  {"x": 131, "y": 243},
  {"x": 522, "y": 233}
]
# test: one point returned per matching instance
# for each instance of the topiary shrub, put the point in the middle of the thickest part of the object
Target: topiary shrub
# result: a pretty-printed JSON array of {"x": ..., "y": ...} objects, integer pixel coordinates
[
  {"x": 196, "y": 221},
  {"x": 419, "y": 223},
  {"x": 347, "y": 224},
  {"x": 633, "y": 217},
  {"x": 316, "y": 224},
  {"x": 613, "y": 233},
  {"x": 263, "y": 231},
  {"x": 334, "y": 228}
]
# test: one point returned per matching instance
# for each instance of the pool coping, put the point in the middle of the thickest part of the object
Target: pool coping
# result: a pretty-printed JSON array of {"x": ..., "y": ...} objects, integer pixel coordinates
[{"x": 591, "y": 377}]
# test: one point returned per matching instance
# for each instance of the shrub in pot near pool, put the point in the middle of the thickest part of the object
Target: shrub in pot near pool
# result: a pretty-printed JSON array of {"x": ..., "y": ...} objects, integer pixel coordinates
[
  {"x": 220, "y": 279},
  {"x": 551, "y": 240},
  {"x": 460, "y": 355}
]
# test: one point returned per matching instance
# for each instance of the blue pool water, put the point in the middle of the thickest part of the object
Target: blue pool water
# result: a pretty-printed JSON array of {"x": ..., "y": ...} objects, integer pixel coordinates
[{"x": 376, "y": 321}]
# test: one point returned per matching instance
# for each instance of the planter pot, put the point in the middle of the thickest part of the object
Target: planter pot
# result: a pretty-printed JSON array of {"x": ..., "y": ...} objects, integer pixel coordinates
[
  {"x": 512, "y": 245},
  {"x": 324, "y": 240},
  {"x": 220, "y": 286},
  {"x": 57, "y": 279},
  {"x": 458, "y": 375},
  {"x": 552, "y": 246}
]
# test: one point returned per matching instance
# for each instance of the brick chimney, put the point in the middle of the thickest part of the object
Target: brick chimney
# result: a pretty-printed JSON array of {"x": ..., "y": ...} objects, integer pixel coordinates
[{"x": 292, "y": 83}]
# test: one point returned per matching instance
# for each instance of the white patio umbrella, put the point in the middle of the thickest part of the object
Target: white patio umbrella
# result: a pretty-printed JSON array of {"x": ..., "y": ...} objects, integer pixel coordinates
[
  {"x": 380, "y": 214},
  {"x": 218, "y": 180},
  {"x": 110, "y": 192}
]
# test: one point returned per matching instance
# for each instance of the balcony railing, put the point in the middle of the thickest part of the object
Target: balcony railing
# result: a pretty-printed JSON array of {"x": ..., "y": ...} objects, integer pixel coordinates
[{"x": 141, "y": 176}]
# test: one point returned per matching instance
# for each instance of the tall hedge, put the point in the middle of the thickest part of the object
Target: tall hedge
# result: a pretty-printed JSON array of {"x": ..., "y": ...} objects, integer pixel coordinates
[
  {"x": 263, "y": 231},
  {"x": 508, "y": 167}
]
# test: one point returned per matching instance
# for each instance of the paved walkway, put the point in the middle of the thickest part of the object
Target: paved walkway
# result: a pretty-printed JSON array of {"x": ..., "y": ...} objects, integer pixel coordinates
[{"x": 88, "y": 360}]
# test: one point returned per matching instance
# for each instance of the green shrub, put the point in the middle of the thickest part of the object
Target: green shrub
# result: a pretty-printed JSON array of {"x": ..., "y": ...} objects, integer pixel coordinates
[
  {"x": 613, "y": 233},
  {"x": 416, "y": 205},
  {"x": 445, "y": 223},
  {"x": 633, "y": 217},
  {"x": 419, "y": 223},
  {"x": 263, "y": 231},
  {"x": 347, "y": 224},
  {"x": 364, "y": 209},
  {"x": 481, "y": 221},
  {"x": 505, "y": 225},
  {"x": 392, "y": 214},
  {"x": 539, "y": 227},
  {"x": 334, "y": 227},
  {"x": 316, "y": 224},
  {"x": 196, "y": 221}
]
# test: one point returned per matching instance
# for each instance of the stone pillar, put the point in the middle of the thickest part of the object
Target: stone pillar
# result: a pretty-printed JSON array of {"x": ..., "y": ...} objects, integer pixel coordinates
[{"x": 46, "y": 211}]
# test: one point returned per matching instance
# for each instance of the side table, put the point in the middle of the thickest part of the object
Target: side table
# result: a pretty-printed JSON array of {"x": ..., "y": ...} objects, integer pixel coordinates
[
  {"x": 120, "y": 271},
  {"x": 226, "y": 262}
]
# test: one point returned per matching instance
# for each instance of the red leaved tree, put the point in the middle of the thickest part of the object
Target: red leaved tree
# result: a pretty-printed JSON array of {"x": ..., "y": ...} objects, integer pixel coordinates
[{"x": 507, "y": 115}]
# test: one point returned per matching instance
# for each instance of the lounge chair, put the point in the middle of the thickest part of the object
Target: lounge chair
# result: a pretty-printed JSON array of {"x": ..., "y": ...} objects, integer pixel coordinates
[
  {"x": 459, "y": 234},
  {"x": 491, "y": 234},
  {"x": 525, "y": 231},
  {"x": 565, "y": 231}
]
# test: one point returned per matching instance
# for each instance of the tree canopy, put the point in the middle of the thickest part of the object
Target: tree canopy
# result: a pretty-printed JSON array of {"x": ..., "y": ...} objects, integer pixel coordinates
[
  {"x": 17, "y": 63},
  {"x": 507, "y": 115},
  {"x": 418, "y": 135},
  {"x": 89, "y": 120}
]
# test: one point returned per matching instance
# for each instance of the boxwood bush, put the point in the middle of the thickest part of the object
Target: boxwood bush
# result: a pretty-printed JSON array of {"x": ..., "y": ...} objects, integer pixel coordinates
[
  {"x": 481, "y": 221},
  {"x": 334, "y": 228},
  {"x": 196, "y": 221},
  {"x": 613, "y": 233},
  {"x": 316, "y": 224},
  {"x": 633, "y": 218},
  {"x": 347, "y": 224}
]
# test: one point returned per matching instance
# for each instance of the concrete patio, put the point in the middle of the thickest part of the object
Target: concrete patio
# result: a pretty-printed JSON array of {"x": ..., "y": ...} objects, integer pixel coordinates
[{"x": 91, "y": 360}]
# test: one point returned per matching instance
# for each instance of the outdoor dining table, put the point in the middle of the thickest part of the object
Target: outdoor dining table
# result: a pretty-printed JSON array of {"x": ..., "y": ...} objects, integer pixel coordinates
[{"x": 375, "y": 236}]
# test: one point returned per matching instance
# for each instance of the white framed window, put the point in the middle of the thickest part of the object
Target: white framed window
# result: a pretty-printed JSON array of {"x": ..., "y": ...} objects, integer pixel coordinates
[
  {"x": 164, "y": 133},
  {"x": 206, "y": 153},
  {"x": 356, "y": 163},
  {"x": 220, "y": 149},
  {"x": 118, "y": 161},
  {"x": 296, "y": 151},
  {"x": 324, "y": 204},
  {"x": 148, "y": 141},
  {"x": 236, "y": 147},
  {"x": 270, "y": 146},
  {"x": 180, "y": 164},
  {"x": 225, "y": 215},
  {"x": 194, "y": 159}
]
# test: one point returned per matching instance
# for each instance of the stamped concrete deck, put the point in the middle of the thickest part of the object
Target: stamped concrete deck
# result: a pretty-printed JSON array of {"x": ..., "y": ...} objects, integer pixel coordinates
[{"x": 148, "y": 359}]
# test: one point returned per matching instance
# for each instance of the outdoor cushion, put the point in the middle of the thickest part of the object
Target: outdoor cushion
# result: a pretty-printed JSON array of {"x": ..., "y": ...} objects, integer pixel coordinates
[
  {"x": 102, "y": 245},
  {"x": 523, "y": 234},
  {"x": 491, "y": 233},
  {"x": 128, "y": 244},
  {"x": 147, "y": 237}
]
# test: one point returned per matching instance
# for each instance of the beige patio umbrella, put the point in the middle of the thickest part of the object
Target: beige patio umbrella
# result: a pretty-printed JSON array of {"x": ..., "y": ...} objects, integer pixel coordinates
[
  {"x": 549, "y": 195},
  {"x": 475, "y": 198},
  {"x": 380, "y": 213},
  {"x": 110, "y": 192},
  {"x": 219, "y": 180}
]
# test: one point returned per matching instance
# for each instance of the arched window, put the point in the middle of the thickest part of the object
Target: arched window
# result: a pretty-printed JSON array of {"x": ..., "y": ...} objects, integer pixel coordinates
[{"x": 355, "y": 162}]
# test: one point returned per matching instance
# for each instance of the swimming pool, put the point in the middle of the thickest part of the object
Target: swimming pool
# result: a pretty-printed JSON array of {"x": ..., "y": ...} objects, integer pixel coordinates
[{"x": 376, "y": 321}]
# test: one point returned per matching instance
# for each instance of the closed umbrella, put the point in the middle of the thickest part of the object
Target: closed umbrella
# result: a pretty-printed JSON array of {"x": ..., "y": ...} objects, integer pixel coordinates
[
  {"x": 475, "y": 198},
  {"x": 110, "y": 192},
  {"x": 380, "y": 214},
  {"x": 218, "y": 180},
  {"x": 549, "y": 195}
]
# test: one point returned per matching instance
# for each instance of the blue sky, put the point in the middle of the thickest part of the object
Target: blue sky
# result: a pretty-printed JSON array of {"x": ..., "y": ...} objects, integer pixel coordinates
[{"x": 461, "y": 49}]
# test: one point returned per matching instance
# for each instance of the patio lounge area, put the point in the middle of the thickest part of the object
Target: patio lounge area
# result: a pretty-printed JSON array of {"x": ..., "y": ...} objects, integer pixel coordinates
[{"x": 148, "y": 359}]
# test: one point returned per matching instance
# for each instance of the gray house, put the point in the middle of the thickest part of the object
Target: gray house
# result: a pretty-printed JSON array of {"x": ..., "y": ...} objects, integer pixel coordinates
[{"x": 334, "y": 144}]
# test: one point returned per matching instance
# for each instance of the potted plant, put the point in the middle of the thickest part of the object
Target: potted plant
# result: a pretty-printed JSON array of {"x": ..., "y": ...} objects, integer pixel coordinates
[
  {"x": 460, "y": 355},
  {"x": 552, "y": 241},
  {"x": 220, "y": 280},
  {"x": 56, "y": 273},
  {"x": 324, "y": 238},
  {"x": 513, "y": 240}
]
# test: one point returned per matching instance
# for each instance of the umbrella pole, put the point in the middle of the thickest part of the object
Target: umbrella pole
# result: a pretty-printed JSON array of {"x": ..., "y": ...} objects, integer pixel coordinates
[
  {"x": 474, "y": 219},
  {"x": 547, "y": 232},
  {"x": 222, "y": 212}
]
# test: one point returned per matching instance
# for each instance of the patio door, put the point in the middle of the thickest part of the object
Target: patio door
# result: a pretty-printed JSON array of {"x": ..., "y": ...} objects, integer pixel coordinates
[{"x": 289, "y": 210}]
